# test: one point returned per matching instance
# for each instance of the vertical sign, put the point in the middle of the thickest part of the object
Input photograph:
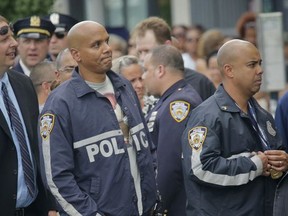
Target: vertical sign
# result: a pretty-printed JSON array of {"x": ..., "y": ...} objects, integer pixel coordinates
[{"x": 270, "y": 44}]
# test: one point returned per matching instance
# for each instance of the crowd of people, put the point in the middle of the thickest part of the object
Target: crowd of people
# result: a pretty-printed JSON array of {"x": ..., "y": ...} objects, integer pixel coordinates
[{"x": 169, "y": 123}]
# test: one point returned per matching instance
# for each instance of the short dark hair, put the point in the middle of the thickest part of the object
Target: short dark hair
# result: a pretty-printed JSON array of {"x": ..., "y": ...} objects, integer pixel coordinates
[{"x": 168, "y": 56}]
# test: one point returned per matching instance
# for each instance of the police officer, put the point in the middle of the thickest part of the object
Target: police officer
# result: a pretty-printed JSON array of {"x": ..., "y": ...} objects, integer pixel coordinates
[
  {"x": 154, "y": 31},
  {"x": 33, "y": 35},
  {"x": 231, "y": 149},
  {"x": 95, "y": 143},
  {"x": 164, "y": 78},
  {"x": 58, "y": 41}
]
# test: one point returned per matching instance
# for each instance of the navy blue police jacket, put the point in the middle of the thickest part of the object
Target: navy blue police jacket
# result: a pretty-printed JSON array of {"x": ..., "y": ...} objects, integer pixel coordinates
[
  {"x": 84, "y": 155},
  {"x": 166, "y": 123},
  {"x": 222, "y": 173}
]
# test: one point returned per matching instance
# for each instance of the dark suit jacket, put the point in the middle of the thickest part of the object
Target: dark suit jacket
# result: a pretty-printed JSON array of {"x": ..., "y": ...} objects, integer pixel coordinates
[
  {"x": 200, "y": 83},
  {"x": 17, "y": 67},
  {"x": 27, "y": 100}
]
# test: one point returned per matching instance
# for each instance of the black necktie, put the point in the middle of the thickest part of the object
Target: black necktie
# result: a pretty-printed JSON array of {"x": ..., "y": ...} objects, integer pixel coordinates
[{"x": 19, "y": 131}]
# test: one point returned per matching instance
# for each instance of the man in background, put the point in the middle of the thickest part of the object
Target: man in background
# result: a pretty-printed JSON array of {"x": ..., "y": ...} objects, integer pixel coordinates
[
  {"x": 65, "y": 64},
  {"x": 154, "y": 31},
  {"x": 164, "y": 78},
  {"x": 58, "y": 41},
  {"x": 33, "y": 36},
  {"x": 42, "y": 76}
]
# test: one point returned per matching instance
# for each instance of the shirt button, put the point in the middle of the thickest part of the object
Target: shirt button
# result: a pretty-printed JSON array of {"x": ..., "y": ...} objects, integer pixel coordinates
[
  {"x": 15, "y": 172},
  {"x": 14, "y": 196}
]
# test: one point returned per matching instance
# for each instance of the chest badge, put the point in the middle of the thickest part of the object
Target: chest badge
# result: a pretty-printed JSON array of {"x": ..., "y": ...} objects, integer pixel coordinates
[
  {"x": 270, "y": 129},
  {"x": 179, "y": 110},
  {"x": 196, "y": 137}
]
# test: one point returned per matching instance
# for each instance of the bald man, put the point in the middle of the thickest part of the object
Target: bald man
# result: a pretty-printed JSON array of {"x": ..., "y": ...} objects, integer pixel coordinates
[
  {"x": 95, "y": 144},
  {"x": 230, "y": 146},
  {"x": 42, "y": 75},
  {"x": 64, "y": 65}
]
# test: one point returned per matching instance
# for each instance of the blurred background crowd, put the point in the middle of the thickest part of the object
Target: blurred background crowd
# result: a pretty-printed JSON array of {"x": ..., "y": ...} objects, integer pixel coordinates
[{"x": 199, "y": 27}]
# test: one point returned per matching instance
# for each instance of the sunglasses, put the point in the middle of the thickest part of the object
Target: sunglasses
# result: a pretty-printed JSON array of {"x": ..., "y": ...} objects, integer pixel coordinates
[
  {"x": 5, "y": 29},
  {"x": 60, "y": 35}
]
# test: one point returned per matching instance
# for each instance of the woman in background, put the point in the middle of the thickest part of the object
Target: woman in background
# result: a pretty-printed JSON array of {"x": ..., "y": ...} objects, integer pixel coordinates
[{"x": 129, "y": 67}]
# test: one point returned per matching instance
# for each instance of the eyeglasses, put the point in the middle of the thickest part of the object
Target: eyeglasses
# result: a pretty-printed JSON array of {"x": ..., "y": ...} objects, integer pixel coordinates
[
  {"x": 67, "y": 69},
  {"x": 38, "y": 84},
  {"x": 179, "y": 35},
  {"x": 60, "y": 35},
  {"x": 193, "y": 40},
  {"x": 4, "y": 29}
]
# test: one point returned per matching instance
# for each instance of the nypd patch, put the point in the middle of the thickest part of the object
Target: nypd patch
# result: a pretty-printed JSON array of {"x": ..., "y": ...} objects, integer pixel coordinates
[
  {"x": 196, "y": 137},
  {"x": 179, "y": 110},
  {"x": 46, "y": 125}
]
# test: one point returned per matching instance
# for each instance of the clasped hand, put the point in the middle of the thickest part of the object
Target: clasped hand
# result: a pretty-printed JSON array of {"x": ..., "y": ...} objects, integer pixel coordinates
[{"x": 273, "y": 159}]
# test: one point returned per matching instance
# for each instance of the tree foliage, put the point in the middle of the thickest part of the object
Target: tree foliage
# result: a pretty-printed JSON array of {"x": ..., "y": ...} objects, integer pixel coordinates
[{"x": 16, "y": 9}]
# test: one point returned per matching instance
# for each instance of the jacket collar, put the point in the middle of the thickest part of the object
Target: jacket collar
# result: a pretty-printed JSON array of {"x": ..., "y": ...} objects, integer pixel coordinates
[
  {"x": 178, "y": 85},
  {"x": 82, "y": 88},
  {"x": 224, "y": 101},
  {"x": 18, "y": 88}
]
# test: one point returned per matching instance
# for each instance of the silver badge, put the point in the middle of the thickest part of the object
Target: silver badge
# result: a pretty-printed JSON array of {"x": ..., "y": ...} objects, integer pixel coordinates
[
  {"x": 270, "y": 129},
  {"x": 55, "y": 18}
]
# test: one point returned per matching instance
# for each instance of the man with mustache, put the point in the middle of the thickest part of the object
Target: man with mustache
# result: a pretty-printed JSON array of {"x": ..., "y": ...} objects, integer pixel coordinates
[
  {"x": 232, "y": 153},
  {"x": 33, "y": 36},
  {"x": 95, "y": 144}
]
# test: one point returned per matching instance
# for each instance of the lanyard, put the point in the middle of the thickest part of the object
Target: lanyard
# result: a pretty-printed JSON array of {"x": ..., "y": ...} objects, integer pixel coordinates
[{"x": 257, "y": 128}]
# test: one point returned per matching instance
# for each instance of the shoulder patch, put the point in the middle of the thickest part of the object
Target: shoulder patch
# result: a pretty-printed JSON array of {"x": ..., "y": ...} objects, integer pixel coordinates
[
  {"x": 196, "y": 137},
  {"x": 46, "y": 125},
  {"x": 179, "y": 110}
]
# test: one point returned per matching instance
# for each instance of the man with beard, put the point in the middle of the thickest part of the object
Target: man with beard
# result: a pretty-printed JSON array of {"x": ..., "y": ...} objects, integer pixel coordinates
[{"x": 95, "y": 144}]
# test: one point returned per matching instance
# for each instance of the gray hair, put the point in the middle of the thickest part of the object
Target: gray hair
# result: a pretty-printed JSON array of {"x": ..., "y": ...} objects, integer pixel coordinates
[
  {"x": 122, "y": 62},
  {"x": 168, "y": 56},
  {"x": 59, "y": 58}
]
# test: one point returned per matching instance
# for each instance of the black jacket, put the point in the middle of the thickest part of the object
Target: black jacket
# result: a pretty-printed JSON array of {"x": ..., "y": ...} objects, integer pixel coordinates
[
  {"x": 281, "y": 198},
  {"x": 221, "y": 173},
  {"x": 28, "y": 104},
  {"x": 203, "y": 86}
]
